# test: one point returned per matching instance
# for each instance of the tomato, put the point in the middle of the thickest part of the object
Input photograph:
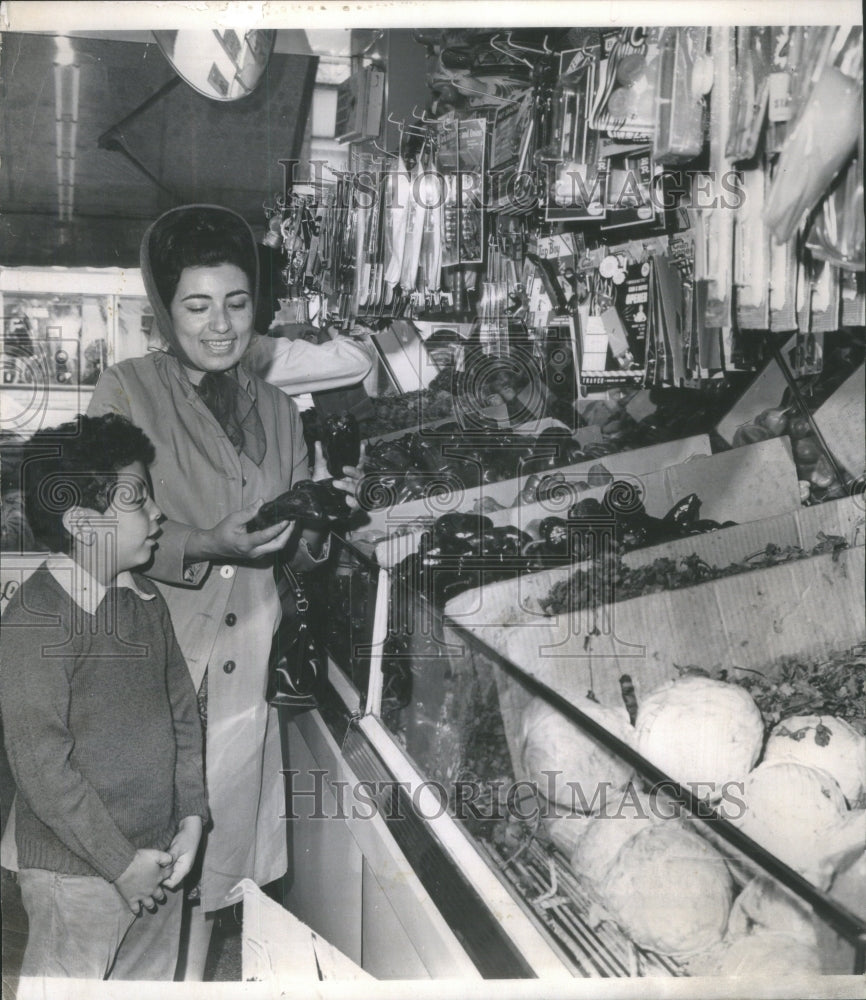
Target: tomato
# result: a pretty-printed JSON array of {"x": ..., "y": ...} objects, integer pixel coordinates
[
  {"x": 822, "y": 474},
  {"x": 775, "y": 420},
  {"x": 799, "y": 427},
  {"x": 750, "y": 434},
  {"x": 806, "y": 451}
]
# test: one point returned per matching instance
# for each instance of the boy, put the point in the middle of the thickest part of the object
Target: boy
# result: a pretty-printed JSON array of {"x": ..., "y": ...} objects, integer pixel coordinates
[{"x": 100, "y": 716}]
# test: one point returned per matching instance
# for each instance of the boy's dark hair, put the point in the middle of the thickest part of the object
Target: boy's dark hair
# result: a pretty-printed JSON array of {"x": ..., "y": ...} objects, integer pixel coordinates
[
  {"x": 198, "y": 236},
  {"x": 76, "y": 465}
]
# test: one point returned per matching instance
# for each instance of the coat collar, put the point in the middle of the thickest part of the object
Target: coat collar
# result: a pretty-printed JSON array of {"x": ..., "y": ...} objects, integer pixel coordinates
[
  {"x": 87, "y": 592},
  {"x": 246, "y": 381}
]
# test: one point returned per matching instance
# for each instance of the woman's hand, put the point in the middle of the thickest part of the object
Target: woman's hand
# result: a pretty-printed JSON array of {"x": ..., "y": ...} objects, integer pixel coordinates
[
  {"x": 352, "y": 474},
  {"x": 230, "y": 539},
  {"x": 182, "y": 849}
]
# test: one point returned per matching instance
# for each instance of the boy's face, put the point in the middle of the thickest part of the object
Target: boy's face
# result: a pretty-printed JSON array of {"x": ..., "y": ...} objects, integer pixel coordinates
[{"x": 130, "y": 524}]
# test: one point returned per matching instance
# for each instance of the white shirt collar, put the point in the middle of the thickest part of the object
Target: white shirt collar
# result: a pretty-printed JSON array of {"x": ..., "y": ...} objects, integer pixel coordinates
[{"x": 86, "y": 591}]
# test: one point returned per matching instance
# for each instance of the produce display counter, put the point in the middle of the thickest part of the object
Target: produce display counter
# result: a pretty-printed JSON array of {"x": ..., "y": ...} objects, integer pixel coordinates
[{"x": 461, "y": 711}]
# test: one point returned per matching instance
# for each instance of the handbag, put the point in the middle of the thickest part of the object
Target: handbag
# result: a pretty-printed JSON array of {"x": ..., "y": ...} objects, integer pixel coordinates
[{"x": 298, "y": 665}]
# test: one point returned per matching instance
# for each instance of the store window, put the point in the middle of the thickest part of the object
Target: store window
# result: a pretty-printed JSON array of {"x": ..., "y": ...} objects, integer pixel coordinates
[
  {"x": 55, "y": 340},
  {"x": 60, "y": 329},
  {"x": 333, "y": 49}
]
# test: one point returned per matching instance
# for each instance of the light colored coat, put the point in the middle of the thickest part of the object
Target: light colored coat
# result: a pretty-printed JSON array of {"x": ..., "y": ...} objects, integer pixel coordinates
[{"x": 224, "y": 615}]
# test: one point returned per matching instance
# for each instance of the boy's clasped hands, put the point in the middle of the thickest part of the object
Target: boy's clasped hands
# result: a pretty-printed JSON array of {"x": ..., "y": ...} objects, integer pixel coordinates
[{"x": 151, "y": 872}]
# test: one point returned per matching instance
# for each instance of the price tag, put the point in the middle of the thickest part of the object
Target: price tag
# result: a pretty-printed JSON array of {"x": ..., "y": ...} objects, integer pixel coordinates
[
  {"x": 594, "y": 355},
  {"x": 779, "y": 105}
]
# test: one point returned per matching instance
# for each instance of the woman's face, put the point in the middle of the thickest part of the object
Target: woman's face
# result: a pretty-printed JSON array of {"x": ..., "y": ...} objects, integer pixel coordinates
[{"x": 212, "y": 315}]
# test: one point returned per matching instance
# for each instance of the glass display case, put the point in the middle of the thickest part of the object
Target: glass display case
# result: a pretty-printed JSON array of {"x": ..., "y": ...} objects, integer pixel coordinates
[{"x": 628, "y": 874}]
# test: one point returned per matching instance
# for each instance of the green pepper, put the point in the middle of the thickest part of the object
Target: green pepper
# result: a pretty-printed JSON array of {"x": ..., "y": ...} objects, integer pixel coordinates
[
  {"x": 341, "y": 442},
  {"x": 307, "y": 501},
  {"x": 685, "y": 511}
]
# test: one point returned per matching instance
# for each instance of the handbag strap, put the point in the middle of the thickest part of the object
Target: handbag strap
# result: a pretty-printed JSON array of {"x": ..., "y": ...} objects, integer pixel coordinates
[{"x": 287, "y": 578}]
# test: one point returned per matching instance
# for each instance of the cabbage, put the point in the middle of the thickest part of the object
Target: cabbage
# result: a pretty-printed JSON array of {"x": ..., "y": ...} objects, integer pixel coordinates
[
  {"x": 826, "y": 742},
  {"x": 566, "y": 831},
  {"x": 669, "y": 890},
  {"x": 849, "y": 886},
  {"x": 798, "y": 813},
  {"x": 551, "y": 742},
  {"x": 700, "y": 730},
  {"x": 604, "y": 836},
  {"x": 765, "y": 953},
  {"x": 766, "y": 905}
]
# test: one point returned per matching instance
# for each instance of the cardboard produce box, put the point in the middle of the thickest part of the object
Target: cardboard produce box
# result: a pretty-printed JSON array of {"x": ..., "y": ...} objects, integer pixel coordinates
[
  {"x": 764, "y": 393},
  {"x": 844, "y": 518},
  {"x": 277, "y": 947},
  {"x": 842, "y": 421},
  {"x": 747, "y": 484},
  {"x": 750, "y": 621}
]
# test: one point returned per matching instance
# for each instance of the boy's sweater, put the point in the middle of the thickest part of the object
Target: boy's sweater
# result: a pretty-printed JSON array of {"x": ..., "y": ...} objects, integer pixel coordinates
[{"x": 101, "y": 727}]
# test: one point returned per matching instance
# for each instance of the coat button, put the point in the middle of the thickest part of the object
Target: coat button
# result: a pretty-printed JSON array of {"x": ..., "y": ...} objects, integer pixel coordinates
[
  {"x": 243, "y": 480},
  {"x": 231, "y": 619},
  {"x": 227, "y": 572},
  {"x": 229, "y": 666}
]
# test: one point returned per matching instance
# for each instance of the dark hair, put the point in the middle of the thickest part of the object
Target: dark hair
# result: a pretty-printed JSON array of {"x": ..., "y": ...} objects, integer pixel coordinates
[
  {"x": 76, "y": 465},
  {"x": 198, "y": 236}
]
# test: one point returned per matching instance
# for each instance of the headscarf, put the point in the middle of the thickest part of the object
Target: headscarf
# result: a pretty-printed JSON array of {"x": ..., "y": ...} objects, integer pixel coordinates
[{"x": 231, "y": 405}]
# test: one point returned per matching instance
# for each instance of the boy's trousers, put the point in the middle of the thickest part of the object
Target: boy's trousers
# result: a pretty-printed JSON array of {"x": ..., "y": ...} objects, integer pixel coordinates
[{"x": 80, "y": 927}]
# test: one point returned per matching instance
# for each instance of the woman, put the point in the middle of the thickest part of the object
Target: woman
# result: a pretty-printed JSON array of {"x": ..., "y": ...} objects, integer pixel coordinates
[{"x": 225, "y": 442}]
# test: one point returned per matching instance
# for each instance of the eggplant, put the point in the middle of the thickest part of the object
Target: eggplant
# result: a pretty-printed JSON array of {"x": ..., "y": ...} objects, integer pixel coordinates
[
  {"x": 529, "y": 490},
  {"x": 413, "y": 487},
  {"x": 623, "y": 499},
  {"x": 456, "y": 530},
  {"x": 454, "y": 546},
  {"x": 307, "y": 501},
  {"x": 425, "y": 455},
  {"x": 589, "y": 509},
  {"x": 312, "y": 430},
  {"x": 503, "y": 541},
  {"x": 555, "y": 532},
  {"x": 685, "y": 511},
  {"x": 574, "y": 454},
  {"x": 705, "y": 524},
  {"x": 388, "y": 456},
  {"x": 597, "y": 449},
  {"x": 341, "y": 442},
  {"x": 491, "y": 474},
  {"x": 552, "y": 449},
  {"x": 656, "y": 530},
  {"x": 439, "y": 572},
  {"x": 467, "y": 472},
  {"x": 379, "y": 489},
  {"x": 635, "y": 534},
  {"x": 554, "y": 487}
]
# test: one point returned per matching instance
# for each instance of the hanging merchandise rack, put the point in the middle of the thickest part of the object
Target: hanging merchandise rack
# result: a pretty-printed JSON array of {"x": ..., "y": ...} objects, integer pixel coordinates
[{"x": 655, "y": 194}]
